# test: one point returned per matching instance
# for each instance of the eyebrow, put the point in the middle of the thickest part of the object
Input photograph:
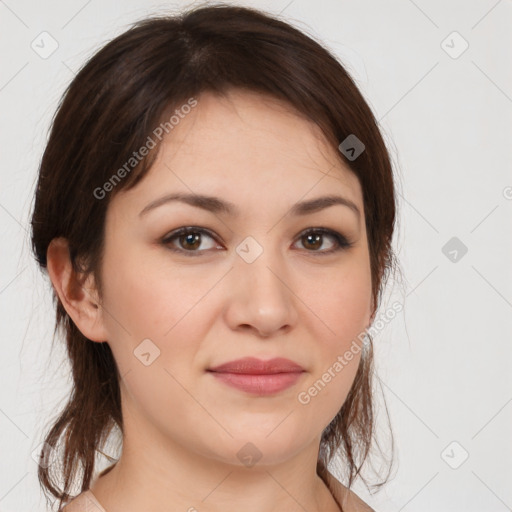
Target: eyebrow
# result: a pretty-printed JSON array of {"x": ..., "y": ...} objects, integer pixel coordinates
[{"x": 220, "y": 206}]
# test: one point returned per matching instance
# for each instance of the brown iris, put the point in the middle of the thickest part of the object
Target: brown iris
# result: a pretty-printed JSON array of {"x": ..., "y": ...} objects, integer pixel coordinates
[
  {"x": 191, "y": 238},
  {"x": 317, "y": 240}
]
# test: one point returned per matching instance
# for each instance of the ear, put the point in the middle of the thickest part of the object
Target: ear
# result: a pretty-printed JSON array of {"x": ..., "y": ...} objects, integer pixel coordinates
[{"x": 78, "y": 296}]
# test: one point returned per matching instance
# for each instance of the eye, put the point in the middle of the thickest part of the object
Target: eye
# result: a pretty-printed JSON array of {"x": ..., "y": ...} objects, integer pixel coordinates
[
  {"x": 189, "y": 240},
  {"x": 313, "y": 238}
]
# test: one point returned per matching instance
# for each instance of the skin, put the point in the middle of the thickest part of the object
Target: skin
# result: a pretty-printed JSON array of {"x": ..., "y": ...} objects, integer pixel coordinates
[{"x": 183, "y": 427}]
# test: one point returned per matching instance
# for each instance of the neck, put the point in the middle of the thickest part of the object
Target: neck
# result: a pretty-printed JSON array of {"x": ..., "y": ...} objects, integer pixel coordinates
[{"x": 166, "y": 478}]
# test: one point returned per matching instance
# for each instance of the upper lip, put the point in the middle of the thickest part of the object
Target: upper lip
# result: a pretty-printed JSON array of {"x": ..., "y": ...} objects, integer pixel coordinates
[{"x": 254, "y": 366}]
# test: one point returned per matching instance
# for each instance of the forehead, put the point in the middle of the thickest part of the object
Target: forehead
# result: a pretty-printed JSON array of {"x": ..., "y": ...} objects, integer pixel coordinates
[{"x": 248, "y": 148}]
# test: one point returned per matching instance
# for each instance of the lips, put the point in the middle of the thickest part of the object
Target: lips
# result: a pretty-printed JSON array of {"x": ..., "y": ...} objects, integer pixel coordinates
[
  {"x": 254, "y": 366},
  {"x": 258, "y": 377}
]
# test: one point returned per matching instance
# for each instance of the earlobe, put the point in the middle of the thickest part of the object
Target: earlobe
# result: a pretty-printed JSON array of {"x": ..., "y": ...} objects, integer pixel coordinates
[{"x": 78, "y": 296}]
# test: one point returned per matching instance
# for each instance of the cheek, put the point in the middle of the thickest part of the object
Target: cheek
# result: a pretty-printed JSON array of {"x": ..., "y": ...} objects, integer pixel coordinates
[
  {"x": 151, "y": 300},
  {"x": 340, "y": 301},
  {"x": 145, "y": 302},
  {"x": 171, "y": 307},
  {"x": 341, "y": 308}
]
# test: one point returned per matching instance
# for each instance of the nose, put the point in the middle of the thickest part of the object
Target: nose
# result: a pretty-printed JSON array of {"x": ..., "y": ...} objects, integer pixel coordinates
[{"x": 260, "y": 297}]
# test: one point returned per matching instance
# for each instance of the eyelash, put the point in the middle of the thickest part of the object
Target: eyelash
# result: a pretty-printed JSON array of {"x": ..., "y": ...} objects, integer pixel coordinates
[{"x": 341, "y": 241}]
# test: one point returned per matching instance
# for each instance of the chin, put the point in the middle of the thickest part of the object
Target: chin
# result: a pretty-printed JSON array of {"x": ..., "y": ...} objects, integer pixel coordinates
[{"x": 257, "y": 446}]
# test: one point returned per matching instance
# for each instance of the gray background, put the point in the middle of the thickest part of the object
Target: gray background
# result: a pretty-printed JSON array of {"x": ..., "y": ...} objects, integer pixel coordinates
[{"x": 446, "y": 116}]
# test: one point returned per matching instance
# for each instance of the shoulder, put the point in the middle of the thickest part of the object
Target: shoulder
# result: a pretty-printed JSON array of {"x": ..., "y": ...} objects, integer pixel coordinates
[
  {"x": 86, "y": 501},
  {"x": 82, "y": 503},
  {"x": 348, "y": 499}
]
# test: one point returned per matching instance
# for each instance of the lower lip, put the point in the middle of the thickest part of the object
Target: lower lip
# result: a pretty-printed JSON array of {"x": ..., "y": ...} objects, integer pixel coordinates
[{"x": 266, "y": 384}]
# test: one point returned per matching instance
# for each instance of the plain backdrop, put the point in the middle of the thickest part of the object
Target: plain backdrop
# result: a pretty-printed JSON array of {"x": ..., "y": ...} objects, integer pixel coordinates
[{"x": 437, "y": 75}]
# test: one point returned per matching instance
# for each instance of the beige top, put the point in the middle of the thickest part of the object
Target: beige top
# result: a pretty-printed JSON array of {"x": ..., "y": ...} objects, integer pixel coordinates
[{"x": 85, "y": 502}]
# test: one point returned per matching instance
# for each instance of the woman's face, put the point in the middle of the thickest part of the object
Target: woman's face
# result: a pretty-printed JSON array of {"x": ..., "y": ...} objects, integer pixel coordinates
[{"x": 246, "y": 282}]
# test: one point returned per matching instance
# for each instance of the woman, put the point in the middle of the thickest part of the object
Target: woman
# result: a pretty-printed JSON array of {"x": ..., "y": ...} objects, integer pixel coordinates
[{"x": 215, "y": 208}]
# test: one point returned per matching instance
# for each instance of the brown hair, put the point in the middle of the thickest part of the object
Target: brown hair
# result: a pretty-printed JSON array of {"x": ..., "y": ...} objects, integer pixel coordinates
[{"x": 108, "y": 111}]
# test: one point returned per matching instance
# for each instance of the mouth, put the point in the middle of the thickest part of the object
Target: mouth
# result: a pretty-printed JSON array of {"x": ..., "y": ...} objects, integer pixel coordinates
[{"x": 258, "y": 377}]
